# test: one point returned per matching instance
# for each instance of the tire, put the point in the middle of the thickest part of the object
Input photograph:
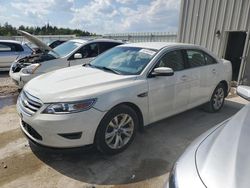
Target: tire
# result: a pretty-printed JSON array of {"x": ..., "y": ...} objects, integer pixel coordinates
[
  {"x": 112, "y": 135},
  {"x": 217, "y": 100}
]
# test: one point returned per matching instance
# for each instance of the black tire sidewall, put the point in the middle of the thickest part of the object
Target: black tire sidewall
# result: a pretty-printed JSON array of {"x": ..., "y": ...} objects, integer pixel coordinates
[
  {"x": 211, "y": 100},
  {"x": 100, "y": 134}
]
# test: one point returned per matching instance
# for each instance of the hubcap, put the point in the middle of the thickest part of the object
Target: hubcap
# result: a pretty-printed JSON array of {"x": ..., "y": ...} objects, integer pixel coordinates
[
  {"x": 119, "y": 131},
  {"x": 218, "y": 98}
]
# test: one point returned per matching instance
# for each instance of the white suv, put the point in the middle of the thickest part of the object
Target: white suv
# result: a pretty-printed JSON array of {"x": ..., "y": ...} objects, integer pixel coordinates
[
  {"x": 70, "y": 53},
  {"x": 123, "y": 89}
]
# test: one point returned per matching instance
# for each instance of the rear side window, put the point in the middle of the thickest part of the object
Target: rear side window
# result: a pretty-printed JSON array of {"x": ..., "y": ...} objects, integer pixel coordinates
[
  {"x": 4, "y": 48},
  {"x": 10, "y": 47},
  {"x": 107, "y": 45},
  {"x": 195, "y": 58},
  {"x": 173, "y": 59},
  {"x": 209, "y": 60}
]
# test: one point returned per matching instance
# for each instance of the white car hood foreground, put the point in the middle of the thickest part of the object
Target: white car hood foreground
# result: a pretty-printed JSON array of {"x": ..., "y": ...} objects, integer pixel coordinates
[
  {"x": 223, "y": 158},
  {"x": 75, "y": 83}
]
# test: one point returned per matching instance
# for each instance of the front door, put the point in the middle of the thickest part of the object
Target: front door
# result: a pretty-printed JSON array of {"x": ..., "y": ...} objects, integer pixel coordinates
[
  {"x": 169, "y": 95},
  {"x": 88, "y": 53}
]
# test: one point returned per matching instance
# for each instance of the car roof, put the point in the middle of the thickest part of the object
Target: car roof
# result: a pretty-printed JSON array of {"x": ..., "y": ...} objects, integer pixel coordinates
[
  {"x": 11, "y": 41},
  {"x": 95, "y": 40},
  {"x": 158, "y": 45}
]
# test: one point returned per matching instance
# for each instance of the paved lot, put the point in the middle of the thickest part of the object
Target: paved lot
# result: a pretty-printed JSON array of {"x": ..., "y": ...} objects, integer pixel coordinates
[{"x": 145, "y": 163}]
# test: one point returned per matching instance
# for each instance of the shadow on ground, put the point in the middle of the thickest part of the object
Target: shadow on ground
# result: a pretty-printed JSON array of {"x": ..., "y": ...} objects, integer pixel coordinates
[{"x": 151, "y": 154}]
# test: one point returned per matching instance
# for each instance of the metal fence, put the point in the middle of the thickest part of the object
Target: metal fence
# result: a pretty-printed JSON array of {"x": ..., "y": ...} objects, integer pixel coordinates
[
  {"x": 130, "y": 37},
  {"x": 144, "y": 37}
]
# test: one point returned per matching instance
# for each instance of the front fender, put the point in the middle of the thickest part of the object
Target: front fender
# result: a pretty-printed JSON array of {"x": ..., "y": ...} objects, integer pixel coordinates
[{"x": 108, "y": 100}]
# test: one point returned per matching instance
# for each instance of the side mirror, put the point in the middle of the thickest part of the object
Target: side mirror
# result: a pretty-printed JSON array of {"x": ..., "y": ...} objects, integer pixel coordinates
[
  {"x": 77, "y": 56},
  {"x": 163, "y": 71},
  {"x": 244, "y": 92}
]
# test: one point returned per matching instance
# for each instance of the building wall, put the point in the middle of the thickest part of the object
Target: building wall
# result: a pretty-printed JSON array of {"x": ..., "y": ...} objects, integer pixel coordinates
[{"x": 201, "y": 19}]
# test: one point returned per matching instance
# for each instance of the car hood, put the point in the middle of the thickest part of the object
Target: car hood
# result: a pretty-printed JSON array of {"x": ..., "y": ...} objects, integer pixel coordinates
[
  {"x": 75, "y": 83},
  {"x": 42, "y": 46},
  {"x": 223, "y": 157}
]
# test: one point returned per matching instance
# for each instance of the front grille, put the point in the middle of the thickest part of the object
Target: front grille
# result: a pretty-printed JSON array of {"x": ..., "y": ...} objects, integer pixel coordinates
[
  {"x": 28, "y": 103},
  {"x": 31, "y": 131}
]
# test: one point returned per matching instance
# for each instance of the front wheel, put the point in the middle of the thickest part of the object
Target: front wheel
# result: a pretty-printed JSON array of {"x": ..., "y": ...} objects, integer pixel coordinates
[
  {"x": 217, "y": 100},
  {"x": 117, "y": 130}
]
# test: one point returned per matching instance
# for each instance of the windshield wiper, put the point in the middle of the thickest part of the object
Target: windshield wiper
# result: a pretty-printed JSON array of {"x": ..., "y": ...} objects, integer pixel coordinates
[
  {"x": 109, "y": 69},
  {"x": 103, "y": 68}
]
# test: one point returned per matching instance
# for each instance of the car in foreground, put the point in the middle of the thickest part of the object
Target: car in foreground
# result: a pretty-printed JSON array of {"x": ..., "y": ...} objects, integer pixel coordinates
[
  {"x": 70, "y": 53},
  {"x": 11, "y": 50},
  {"x": 122, "y": 90},
  {"x": 219, "y": 157}
]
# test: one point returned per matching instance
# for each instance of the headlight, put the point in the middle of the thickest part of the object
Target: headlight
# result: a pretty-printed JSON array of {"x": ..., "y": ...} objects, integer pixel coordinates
[
  {"x": 31, "y": 68},
  {"x": 71, "y": 107}
]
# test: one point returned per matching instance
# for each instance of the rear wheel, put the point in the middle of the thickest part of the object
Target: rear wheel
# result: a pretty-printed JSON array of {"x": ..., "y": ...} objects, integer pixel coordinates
[
  {"x": 217, "y": 100},
  {"x": 117, "y": 130}
]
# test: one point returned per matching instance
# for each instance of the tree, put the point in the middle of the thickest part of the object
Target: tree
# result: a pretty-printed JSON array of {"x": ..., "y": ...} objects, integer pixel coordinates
[{"x": 9, "y": 30}]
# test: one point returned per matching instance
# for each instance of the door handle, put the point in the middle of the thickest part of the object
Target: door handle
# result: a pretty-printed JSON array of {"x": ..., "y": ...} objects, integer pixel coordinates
[
  {"x": 184, "y": 78},
  {"x": 214, "y": 71}
]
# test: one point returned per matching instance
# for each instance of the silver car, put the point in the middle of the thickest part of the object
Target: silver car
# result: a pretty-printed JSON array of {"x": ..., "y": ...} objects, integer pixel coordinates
[
  {"x": 71, "y": 53},
  {"x": 218, "y": 158},
  {"x": 10, "y": 50}
]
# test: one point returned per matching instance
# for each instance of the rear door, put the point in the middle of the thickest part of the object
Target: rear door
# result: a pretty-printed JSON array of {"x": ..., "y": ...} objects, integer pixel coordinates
[
  {"x": 203, "y": 73},
  {"x": 169, "y": 95},
  {"x": 8, "y": 53}
]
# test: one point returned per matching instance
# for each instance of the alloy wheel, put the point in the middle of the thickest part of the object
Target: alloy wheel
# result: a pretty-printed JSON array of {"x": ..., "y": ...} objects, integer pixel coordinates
[{"x": 119, "y": 131}]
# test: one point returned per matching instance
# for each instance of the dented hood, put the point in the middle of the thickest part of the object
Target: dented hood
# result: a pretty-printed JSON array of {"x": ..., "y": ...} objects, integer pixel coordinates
[{"x": 42, "y": 46}]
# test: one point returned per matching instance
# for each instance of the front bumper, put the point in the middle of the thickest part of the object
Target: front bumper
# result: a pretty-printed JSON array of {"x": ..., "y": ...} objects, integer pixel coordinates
[
  {"x": 19, "y": 78},
  {"x": 60, "y": 131}
]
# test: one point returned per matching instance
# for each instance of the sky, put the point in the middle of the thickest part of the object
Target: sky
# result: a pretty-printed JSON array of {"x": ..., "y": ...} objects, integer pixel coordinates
[{"x": 97, "y": 16}]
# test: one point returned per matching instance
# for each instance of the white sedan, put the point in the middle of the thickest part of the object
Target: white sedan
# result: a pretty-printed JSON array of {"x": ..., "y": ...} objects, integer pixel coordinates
[{"x": 122, "y": 90}]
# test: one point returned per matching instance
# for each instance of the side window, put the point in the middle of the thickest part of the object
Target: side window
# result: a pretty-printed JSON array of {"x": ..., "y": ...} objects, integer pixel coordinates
[
  {"x": 209, "y": 60},
  {"x": 195, "y": 58},
  {"x": 18, "y": 48},
  {"x": 4, "y": 48},
  {"x": 89, "y": 50},
  {"x": 104, "y": 46},
  {"x": 174, "y": 60},
  {"x": 10, "y": 47}
]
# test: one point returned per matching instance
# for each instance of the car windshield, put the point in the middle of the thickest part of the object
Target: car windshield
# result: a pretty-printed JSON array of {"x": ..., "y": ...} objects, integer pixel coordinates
[
  {"x": 65, "y": 48},
  {"x": 125, "y": 60}
]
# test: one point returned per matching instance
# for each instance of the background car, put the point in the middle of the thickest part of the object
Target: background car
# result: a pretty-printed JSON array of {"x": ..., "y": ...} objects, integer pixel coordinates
[
  {"x": 56, "y": 43},
  {"x": 122, "y": 90},
  {"x": 10, "y": 50},
  {"x": 219, "y": 157},
  {"x": 52, "y": 45},
  {"x": 70, "y": 53}
]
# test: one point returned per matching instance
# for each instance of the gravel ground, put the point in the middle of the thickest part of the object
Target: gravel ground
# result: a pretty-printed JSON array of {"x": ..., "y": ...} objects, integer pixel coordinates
[{"x": 7, "y": 87}]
